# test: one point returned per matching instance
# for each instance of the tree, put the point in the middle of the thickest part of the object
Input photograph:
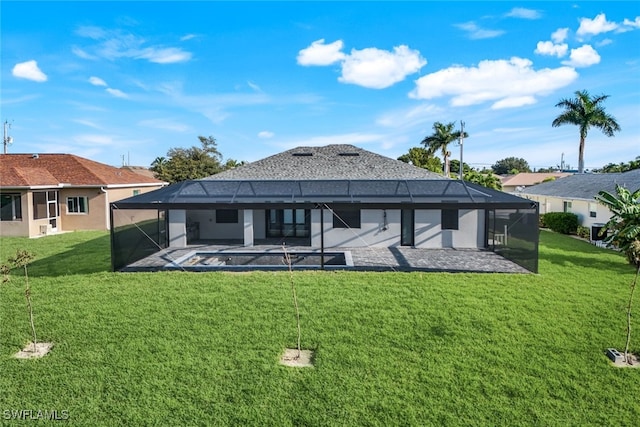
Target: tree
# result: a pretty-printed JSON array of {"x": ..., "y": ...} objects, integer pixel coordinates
[
  {"x": 510, "y": 165},
  {"x": 623, "y": 230},
  {"x": 22, "y": 259},
  {"x": 585, "y": 112},
  {"x": 620, "y": 167},
  {"x": 443, "y": 135},
  {"x": 454, "y": 167},
  {"x": 422, "y": 158},
  {"x": 189, "y": 163},
  {"x": 486, "y": 178}
]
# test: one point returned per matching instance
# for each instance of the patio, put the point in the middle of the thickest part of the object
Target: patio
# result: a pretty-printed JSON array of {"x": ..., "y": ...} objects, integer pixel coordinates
[{"x": 364, "y": 259}]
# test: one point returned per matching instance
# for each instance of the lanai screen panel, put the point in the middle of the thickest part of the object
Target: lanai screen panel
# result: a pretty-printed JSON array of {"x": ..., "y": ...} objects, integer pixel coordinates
[
  {"x": 136, "y": 234},
  {"x": 513, "y": 233}
]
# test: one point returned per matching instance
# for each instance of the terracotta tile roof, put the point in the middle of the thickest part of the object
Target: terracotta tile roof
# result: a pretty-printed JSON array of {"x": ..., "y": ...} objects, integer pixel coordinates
[
  {"x": 26, "y": 170},
  {"x": 529, "y": 178}
]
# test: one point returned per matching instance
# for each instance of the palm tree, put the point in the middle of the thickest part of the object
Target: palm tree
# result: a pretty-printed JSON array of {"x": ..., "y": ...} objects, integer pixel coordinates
[
  {"x": 623, "y": 230},
  {"x": 585, "y": 112},
  {"x": 443, "y": 135}
]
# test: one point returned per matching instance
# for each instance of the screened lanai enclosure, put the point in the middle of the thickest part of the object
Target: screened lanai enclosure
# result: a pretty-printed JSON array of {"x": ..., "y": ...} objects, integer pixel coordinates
[{"x": 322, "y": 216}]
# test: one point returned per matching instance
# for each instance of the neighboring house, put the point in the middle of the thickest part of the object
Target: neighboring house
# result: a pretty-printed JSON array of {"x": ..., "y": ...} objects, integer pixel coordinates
[
  {"x": 332, "y": 196},
  {"x": 48, "y": 193},
  {"x": 520, "y": 181},
  {"x": 576, "y": 194}
]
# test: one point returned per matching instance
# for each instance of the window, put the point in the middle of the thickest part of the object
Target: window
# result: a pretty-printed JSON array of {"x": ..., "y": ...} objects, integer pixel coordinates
[
  {"x": 77, "y": 205},
  {"x": 566, "y": 206},
  {"x": 10, "y": 207},
  {"x": 593, "y": 210},
  {"x": 226, "y": 216},
  {"x": 136, "y": 192},
  {"x": 449, "y": 219},
  {"x": 346, "y": 218}
]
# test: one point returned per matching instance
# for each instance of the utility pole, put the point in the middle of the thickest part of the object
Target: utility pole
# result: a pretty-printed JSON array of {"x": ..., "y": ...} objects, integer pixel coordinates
[
  {"x": 461, "y": 149},
  {"x": 7, "y": 140}
]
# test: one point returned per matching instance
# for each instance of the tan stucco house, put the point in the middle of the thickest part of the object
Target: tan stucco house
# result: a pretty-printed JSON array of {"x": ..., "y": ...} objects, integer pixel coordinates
[{"x": 47, "y": 193}]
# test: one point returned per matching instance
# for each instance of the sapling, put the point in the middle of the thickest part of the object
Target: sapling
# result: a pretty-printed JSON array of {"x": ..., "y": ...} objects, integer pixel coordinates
[
  {"x": 22, "y": 259},
  {"x": 287, "y": 260}
]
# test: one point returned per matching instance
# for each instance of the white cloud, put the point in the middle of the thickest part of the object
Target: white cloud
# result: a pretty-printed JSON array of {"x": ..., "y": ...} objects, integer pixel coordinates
[
  {"x": 508, "y": 83},
  {"x": 584, "y": 56},
  {"x": 82, "y": 54},
  {"x": 408, "y": 118},
  {"x": 187, "y": 37},
  {"x": 265, "y": 134},
  {"x": 476, "y": 32},
  {"x": 560, "y": 35},
  {"x": 254, "y": 86},
  {"x": 633, "y": 24},
  {"x": 320, "y": 53},
  {"x": 551, "y": 49},
  {"x": 117, "y": 93},
  {"x": 168, "y": 55},
  {"x": 520, "y": 12},
  {"x": 371, "y": 67},
  {"x": 378, "y": 69},
  {"x": 595, "y": 26},
  {"x": 118, "y": 44},
  {"x": 97, "y": 81},
  {"x": 29, "y": 70}
]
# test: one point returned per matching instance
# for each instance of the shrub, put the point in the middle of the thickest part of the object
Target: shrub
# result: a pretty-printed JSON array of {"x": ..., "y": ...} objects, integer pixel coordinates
[
  {"x": 561, "y": 222},
  {"x": 583, "y": 232}
]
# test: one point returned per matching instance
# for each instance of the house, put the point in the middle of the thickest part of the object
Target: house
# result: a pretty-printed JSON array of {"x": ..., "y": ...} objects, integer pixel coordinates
[
  {"x": 326, "y": 197},
  {"x": 48, "y": 193},
  {"x": 576, "y": 194},
  {"x": 518, "y": 182}
]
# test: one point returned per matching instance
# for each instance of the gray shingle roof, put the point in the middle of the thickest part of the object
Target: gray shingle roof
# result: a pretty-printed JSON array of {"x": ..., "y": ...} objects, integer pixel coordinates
[
  {"x": 339, "y": 161},
  {"x": 586, "y": 186}
]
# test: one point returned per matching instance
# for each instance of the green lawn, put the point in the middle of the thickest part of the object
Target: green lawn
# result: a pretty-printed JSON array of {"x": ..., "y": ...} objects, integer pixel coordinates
[{"x": 186, "y": 349}]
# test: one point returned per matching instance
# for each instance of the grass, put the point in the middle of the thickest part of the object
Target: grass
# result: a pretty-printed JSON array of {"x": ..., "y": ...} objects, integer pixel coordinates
[{"x": 188, "y": 349}]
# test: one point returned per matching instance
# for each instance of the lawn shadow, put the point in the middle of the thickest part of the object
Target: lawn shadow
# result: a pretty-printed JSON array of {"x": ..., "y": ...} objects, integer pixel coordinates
[
  {"x": 582, "y": 254},
  {"x": 84, "y": 257}
]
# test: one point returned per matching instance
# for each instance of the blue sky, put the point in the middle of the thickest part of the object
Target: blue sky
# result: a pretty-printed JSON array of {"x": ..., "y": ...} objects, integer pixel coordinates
[{"x": 126, "y": 81}]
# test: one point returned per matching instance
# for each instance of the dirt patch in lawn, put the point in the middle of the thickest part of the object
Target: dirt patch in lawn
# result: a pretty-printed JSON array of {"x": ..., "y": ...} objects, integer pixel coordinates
[
  {"x": 301, "y": 359},
  {"x": 632, "y": 362},
  {"x": 32, "y": 351}
]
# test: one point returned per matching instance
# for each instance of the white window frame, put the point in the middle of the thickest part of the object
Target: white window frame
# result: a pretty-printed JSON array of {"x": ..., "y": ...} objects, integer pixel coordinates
[{"x": 78, "y": 205}]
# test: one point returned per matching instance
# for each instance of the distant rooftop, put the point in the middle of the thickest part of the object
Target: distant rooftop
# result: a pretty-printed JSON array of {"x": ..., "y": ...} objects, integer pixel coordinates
[
  {"x": 28, "y": 170},
  {"x": 586, "y": 185}
]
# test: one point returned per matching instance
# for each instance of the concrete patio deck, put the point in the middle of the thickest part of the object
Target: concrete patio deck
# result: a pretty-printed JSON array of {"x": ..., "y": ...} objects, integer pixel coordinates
[{"x": 364, "y": 259}]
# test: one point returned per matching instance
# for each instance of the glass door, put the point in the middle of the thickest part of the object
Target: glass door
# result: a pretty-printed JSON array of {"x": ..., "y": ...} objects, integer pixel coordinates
[
  {"x": 407, "y": 227},
  {"x": 288, "y": 223}
]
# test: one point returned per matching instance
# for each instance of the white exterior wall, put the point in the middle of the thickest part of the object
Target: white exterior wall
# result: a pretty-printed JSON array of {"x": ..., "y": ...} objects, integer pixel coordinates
[
  {"x": 177, "y": 228},
  {"x": 370, "y": 233},
  {"x": 210, "y": 230},
  {"x": 580, "y": 207},
  {"x": 247, "y": 215},
  {"x": 429, "y": 234},
  {"x": 259, "y": 224}
]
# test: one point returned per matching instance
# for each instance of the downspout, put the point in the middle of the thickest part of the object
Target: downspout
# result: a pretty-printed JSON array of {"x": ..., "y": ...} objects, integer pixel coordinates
[{"x": 107, "y": 213}]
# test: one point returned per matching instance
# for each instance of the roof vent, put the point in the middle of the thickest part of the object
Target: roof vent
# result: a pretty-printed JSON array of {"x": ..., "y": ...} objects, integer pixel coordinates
[
  {"x": 35, "y": 156},
  {"x": 349, "y": 154},
  {"x": 302, "y": 154}
]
